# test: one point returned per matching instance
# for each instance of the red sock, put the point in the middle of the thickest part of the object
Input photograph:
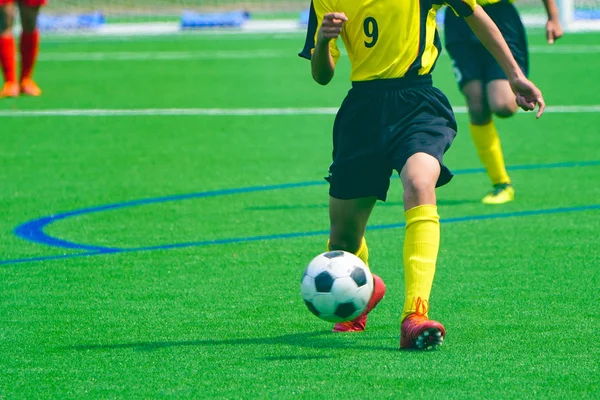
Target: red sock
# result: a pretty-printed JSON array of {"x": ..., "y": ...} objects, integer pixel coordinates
[
  {"x": 30, "y": 44},
  {"x": 8, "y": 58}
]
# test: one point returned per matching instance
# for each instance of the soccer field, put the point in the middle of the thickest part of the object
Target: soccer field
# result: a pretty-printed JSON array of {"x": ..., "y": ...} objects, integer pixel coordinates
[{"x": 162, "y": 198}]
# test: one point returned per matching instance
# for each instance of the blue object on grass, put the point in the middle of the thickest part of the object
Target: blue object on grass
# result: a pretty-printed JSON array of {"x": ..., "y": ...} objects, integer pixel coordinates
[
  {"x": 70, "y": 21},
  {"x": 235, "y": 19},
  {"x": 587, "y": 14},
  {"x": 304, "y": 17}
]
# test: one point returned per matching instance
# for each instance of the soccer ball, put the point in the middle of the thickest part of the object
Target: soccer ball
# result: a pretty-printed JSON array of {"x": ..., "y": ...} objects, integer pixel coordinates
[{"x": 336, "y": 286}]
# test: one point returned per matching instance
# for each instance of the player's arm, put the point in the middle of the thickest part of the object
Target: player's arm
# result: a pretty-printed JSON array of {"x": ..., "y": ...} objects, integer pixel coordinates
[
  {"x": 553, "y": 29},
  {"x": 322, "y": 61},
  {"x": 528, "y": 95}
]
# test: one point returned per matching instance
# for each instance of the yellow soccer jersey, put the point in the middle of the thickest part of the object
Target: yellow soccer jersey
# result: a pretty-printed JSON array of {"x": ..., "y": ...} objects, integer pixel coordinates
[{"x": 385, "y": 38}]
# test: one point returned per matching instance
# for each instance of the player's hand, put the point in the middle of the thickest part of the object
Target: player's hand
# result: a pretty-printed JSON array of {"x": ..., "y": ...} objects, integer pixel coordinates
[
  {"x": 528, "y": 95},
  {"x": 331, "y": 27},
  {"x": 553, "y": 30}
]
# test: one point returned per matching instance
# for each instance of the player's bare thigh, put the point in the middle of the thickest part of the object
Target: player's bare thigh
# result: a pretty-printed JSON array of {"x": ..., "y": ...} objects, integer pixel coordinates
[
  {"x": 7, "y": 18},
  {"x": 501, "y": 99},
  {"x": 28, "y": 10},
  {"x": 348, "y": 221}
]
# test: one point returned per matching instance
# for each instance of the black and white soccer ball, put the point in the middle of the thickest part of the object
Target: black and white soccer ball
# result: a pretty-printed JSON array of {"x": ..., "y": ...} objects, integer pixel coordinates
[{"x": 336, "y": 286}]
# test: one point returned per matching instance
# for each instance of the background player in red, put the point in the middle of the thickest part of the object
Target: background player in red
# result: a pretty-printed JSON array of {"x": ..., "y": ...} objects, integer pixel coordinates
[{"x": 28, "y": 46}]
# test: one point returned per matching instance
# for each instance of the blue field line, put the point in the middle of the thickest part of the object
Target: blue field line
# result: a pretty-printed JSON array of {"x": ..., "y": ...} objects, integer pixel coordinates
[
  {"x": 33, "y": 231},
  {"x": 294, "y": 235},
  {"x": 572, "y": 164}
]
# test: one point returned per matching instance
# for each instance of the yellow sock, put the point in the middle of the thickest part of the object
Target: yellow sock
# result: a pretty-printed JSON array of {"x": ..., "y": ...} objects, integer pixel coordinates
[
  {"x": 362, "y": 253},
  {"x": 487, "y": 142},
  {"x": 421, "y": 245}
]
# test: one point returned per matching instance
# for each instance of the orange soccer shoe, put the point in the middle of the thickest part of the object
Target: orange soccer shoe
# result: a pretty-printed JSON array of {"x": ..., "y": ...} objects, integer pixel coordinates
[
  {"x": 359, "y": 323},
  {"x": 30, "y": 88},
  {"x": 419, "y": 332},
  {"x": 10, "y": 89}
]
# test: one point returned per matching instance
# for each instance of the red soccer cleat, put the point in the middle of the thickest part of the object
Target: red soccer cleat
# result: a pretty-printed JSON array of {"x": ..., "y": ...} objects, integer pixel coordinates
[
  {"x": 359, "y": 323},
  {"x": 419, "y": 332},
  {"x": 10, "y": 89}
]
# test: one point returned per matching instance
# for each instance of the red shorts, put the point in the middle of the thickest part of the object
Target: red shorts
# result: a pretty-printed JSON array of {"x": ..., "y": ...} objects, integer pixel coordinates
[{"x": 28, "y": 3}]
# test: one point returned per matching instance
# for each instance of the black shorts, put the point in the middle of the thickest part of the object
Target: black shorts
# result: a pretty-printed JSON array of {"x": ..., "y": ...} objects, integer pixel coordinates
[
  {"x": 379, "y": 126},
  {"x": 470, "y": 59}
]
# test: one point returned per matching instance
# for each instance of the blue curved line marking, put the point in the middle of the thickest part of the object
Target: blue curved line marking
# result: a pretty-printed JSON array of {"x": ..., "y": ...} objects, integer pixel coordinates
[
  {"x": 34, "y": 230},
  {"x": 304, "y": 234}
]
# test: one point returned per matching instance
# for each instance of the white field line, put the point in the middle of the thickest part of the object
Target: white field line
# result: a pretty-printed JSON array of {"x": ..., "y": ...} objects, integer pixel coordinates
[
  {"x": 557, "y": 48},
  {"x": 284, "y": 26},
  {"x": 246, "y": 54},
  {"x": 182, "y": 36},
  {"x": 229, "y": 111},
  {"x": 140, "y": 29},
  {"x": 162, "y": 55}
]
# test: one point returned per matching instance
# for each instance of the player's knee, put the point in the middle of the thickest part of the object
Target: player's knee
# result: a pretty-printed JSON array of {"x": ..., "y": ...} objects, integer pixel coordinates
[
  {"x": 419, "y": 188},
  {"x": 504, "y": 109},
  {"x": 479, "y": 115},
  {"x": 29, "y": 25},
  {"x": 479, "y": 112}
]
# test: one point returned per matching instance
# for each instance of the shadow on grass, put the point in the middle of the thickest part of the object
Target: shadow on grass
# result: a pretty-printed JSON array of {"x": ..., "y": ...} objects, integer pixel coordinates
[{"x": 315, "y": 340}]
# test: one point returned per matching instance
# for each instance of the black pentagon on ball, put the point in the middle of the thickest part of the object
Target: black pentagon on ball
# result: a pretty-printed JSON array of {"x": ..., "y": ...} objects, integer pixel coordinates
[
  {"x": 333, "y": 254},
  {"x": 359, "y": 276},
  {"x": 311, "y": 308},
  {"x": 345, "y": 310},
  {"x": 323, "y": 282}
]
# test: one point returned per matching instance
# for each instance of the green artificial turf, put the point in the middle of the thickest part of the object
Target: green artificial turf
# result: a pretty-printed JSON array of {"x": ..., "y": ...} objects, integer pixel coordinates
[{"x": 516, "y": 285}]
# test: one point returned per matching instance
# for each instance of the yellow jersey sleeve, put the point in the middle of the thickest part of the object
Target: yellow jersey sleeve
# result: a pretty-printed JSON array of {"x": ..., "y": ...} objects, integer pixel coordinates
[
  {"x": 318, "y": 8},
  {"x": 462, "y": 8}
]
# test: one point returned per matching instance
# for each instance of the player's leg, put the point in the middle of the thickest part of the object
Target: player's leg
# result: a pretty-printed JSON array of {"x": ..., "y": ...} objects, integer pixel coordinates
[
  {"x": 29, "y": 46},
  {"x": 501, "y": 99},
  {"x": 348, "y": 220},
  {"x": 417, "y": 151},
  {"x": 471, "y": 63},
  {"x": 358, "y": 177},
  {"x": 486, "y": 139},
  {"x": 8, "y": 56},
  {"x": 421, "y": 245}
]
